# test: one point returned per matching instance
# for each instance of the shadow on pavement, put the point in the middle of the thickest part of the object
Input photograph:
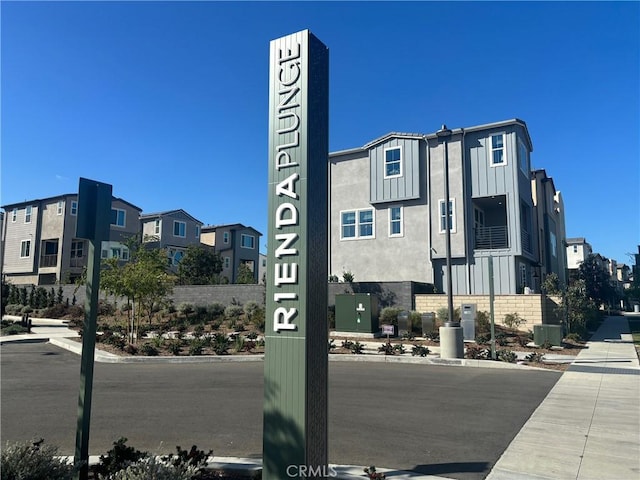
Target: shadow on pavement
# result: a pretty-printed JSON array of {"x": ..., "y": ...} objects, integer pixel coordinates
[{"x": 456, "y": 467}]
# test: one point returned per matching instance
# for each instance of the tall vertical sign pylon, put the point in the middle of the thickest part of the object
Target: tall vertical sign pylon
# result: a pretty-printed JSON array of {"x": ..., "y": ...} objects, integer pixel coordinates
[{"x": 296, "y": 329}]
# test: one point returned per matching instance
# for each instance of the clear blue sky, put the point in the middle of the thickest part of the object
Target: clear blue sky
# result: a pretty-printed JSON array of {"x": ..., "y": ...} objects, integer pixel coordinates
[{"x": 167, "y": 101}]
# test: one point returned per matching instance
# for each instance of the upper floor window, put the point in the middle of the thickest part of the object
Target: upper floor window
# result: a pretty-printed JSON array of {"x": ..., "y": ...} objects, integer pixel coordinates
[
  {"x": 523, "y": 155},
  {"x": 156, "y": 227},
  {"x": 77, "y": 248},
  {"x": 392, "y": 162},
  {"x": 197, "y": 231},
  {"x": 27, "y": 214},
  {"x": 553, "y": 242},
  {"x": 118, "y": 217},
  {"x": 60, "y": 205},
  {"x": 225, "y": 237},
  {"x": 395, "y": 222},
  {"x": 357, "y": 224},
  {"x": 247, "y": 241},
  {"x": 179, "y": 229},
  {"x": 25, "y": 248},
  {"x": 498, "y": 156},
  {"x": 14, "y": 215},
  {"x": 443, "y": 215},
  {"x": 74, "y": 208},
  {"x": 575, "y": 249}
]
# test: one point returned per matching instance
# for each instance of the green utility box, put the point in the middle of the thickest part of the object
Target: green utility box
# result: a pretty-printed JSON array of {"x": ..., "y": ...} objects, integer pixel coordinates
[
  {"x": 357, "y": 313},
  {"x": 550, "y": 333}
]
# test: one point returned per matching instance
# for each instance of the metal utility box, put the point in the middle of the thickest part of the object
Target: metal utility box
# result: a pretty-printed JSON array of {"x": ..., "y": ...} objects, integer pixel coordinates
[
  {"x": 428, "y": 322},
  {"x": 547, "y": 333},
  {"x": 404, "y": 323},
  {"x": 357, "y": 313},
  {"x": 468, "y": 313}
]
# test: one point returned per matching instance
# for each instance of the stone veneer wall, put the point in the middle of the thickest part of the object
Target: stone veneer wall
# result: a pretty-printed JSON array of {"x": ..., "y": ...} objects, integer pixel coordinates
[{"x": 535, "y": 309}]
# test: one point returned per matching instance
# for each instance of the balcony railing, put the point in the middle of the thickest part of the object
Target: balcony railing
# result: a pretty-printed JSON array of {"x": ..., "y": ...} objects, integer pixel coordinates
[
  {"x": 48, "y": 260},
  {"x": 526, "y": 241},
  {"x": 77, "y": 262},
  {"x": 490, "y": 238}
]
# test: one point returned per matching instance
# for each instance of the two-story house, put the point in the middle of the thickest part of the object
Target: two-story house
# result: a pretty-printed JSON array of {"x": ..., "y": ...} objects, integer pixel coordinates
[
  {"x": 237, "y": 245},
  {"x": 578, "y": 249},
  {"x": 388, "y": 211},
  {"x": 40, "y": 246},
  {"x": 173, "y": 230}
]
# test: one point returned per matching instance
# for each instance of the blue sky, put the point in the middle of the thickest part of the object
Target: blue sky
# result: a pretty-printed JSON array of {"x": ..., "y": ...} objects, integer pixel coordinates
[{"x": 168, "y": 101}]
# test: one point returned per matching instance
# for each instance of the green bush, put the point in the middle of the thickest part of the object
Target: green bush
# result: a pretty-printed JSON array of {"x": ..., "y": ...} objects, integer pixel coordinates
[
  {"x": 214, "y": 310},
  {"x": 507, "y": 356},
  {"x": 186, "y": 308},
  {"x": 513, "y": 321},
  {"x": 14, "y": 329},
  {"x": 420, "y": 351},
  {"x": 477, "y": 352},
  {"x": 196, "y": 346},
  {"x": 13, "y": 309},
  {"x": 250, "y": 308},
  {"x": 389, "y": 315},
  {"x": 220, "y": 344},
  {"x": 149, "y": 350},
  {"x": 175, "y": 347},
  {"x": 483, "y": 322},
  {"x": 118, "y": 458},
  {"x": 233, "y": 312},
  {"x": 415, "y": 319},
  {"x": 357, "y": 348},
  {"x": 33, "y": 461}
]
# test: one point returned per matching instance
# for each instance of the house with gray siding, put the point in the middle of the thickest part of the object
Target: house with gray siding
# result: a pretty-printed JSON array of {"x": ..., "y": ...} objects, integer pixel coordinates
[
  {"x": 40, "y": 246},
  {"x": 388, "y": 214},
  {"x": 237, "y": 245},
  {"x": 172, "y": 230}
]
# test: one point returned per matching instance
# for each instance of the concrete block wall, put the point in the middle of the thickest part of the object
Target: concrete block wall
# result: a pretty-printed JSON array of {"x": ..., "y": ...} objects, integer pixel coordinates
[{"x": 535, "y": 309}]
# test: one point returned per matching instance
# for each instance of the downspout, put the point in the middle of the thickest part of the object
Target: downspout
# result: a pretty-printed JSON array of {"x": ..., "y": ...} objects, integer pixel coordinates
[
  {"x": 468, "y": 218},
  {"x": 428, "y": 199}
]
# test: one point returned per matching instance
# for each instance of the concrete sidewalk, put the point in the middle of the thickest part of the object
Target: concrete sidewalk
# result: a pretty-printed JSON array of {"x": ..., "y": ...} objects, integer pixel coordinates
[{"x": 588, "y": 426}]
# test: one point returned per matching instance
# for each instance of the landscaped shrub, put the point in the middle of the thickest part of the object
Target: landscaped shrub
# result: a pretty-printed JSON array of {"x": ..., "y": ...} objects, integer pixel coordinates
[
  {"x": 233, "y": 312},
  {"x": 535, "y": 357},
  {"x": 220, "y": 344},
  {"x": 477, "y": 352},
  {"x": 174, "y": 346},
  {"x": 33, "y": 461},
  {"x": 420, "y": 351},
  {"x": 386, "y": 348},
  {"x": 131, "y": 349},
  {"x": 118, "y": 458},
  {"x": 389, "y": 315},
  {"x": 151, "y": 468},
  {"x": 214, "y": 310},
  {"x": 415, "y": 320},
  {"x": 13, "y": 309},
  {"x": 14, "y": 329},
  {"x": 186, "y": 308},
  {"x": 201, "y": 312},
  {"x": 513, "y": 321},
  {"x": 357, "y": 348},
  {"x": 250, "y": 308},
  {"x": 26, "y": 310},
  {"x": 507, "y": 356},
  {"x": 196, "y": 346},
  {"x": 149, "y": 350},
  {"x": 198, "y": 330},
  {"x": 483, "y": 322}
]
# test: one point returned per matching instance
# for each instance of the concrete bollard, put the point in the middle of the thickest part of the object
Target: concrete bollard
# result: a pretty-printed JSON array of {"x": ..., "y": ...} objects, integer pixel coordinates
[{"x": 451, "y": 341}]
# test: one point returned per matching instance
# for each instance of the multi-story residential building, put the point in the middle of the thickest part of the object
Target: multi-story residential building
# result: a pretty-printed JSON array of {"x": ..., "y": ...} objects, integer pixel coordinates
[
  {"x": 40, "y": 244},
  {"x": 173, "y": 230},
  {"x": 577, "y": 250},
  {"x": 262, "y": 269},
  {"x": 549, "y": 224},
  {"x": 388, "y": 215},
  {"x": 237, "y": 245}
]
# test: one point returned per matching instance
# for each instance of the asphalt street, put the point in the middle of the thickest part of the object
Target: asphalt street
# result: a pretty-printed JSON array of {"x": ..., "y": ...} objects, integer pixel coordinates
[{"x": 449, "y": 421}]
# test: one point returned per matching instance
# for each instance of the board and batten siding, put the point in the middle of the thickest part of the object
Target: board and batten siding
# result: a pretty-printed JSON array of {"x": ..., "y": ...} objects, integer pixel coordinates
[
  {"x": 17, "y": 232},
  {"x": 404, "y": 187}
]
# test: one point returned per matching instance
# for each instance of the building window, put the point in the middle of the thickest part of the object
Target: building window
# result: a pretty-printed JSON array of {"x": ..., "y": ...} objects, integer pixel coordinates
[
  {"x": 395, "y": 222},
  {"x": 156, "y": 227},
  {"x": 226, "y": 263},
  {"x": 523, "y": 275},
  {"x": 524, "y": 157},
  {"x": 14, "y": 215},
  {"x": 179, "y": 229},
  {"x": 497, "y": 150},
  {"x": 105, "y": 254},
  {"x": 197, "y": 231},
  {"x": 118, "y": 217},
  {"x": 478, "y": 218},
  {"x": 60, "y": 204},
  {"x": 27, "y": 214},
  {"x": 176, "y": 256},
  {"x": 74, "y": 208},
  {"x": 225, "y": 237},
  {"x": 25, "y": 248},
  {"x": 392, "y": 162},
  {"x": 357, "y": 224},
  {"x": 443, "y": 216},
  {"x": 552, "y": 241},
  {"x": 575, "y": 249},
  {"x": 247, "y": 241}
]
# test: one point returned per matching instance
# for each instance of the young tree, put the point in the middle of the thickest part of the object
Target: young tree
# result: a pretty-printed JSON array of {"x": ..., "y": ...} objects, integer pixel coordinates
[
  {"x": 597, "y": 285},
  {"x": 245, "y": 275},
  {"x": 199, "y": 266}
]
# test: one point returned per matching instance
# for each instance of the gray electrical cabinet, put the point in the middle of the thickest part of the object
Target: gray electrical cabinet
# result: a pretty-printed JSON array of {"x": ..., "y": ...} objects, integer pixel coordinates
[
  {"x": 468, "y": 313},
  {"x": 404, "y": 323},
  {"x": 428, "y": 322},
  {"x": 357, "y": 313}
]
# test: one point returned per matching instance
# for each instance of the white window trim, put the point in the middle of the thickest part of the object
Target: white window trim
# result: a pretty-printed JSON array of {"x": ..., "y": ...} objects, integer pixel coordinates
[
  {"x": 174, "y": 229},
  {"x": 504, "y": 150},
  {"x": 253, "y": 241},
  {"x": 74, "y": 208},
  {"x": 401, "y": 234},
  {"x": 30, "y": 209},
  {"x": 60, "y": 207},
  {"x": 384, "y": 161},
  {"x": 357, "y": 224},
  {"x": 28, "y": 240},
  {"x": 453, "y": 215},
  {"x": 124, "y": 218}
]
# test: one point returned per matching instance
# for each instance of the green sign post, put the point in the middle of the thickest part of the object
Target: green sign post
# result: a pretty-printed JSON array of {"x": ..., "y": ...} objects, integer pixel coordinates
[
  {"x": 94, "y": 210},
  {"x": 296, "y": 328}
]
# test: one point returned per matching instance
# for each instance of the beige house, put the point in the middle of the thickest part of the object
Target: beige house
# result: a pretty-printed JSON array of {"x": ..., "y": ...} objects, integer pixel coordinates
[
  {"x": 237, "y": 245},
  {"x": 40, "y": 243}
]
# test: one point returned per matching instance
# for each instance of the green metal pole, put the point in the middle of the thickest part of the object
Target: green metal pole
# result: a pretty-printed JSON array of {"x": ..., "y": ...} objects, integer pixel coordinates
[
  {"x": 491, "y": 309},
  {"x": 87, "y": 361}
]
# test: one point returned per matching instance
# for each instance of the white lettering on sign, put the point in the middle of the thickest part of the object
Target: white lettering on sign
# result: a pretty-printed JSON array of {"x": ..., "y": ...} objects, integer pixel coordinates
[{"x": 286, "y": 215}]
